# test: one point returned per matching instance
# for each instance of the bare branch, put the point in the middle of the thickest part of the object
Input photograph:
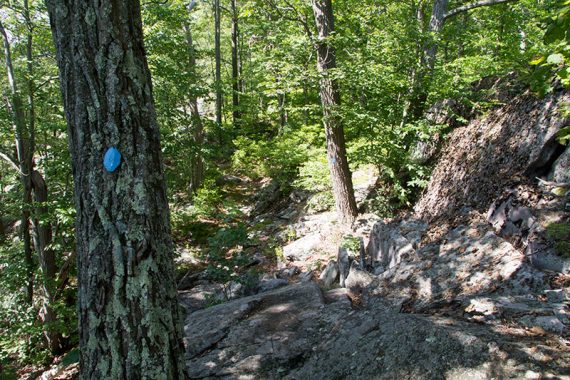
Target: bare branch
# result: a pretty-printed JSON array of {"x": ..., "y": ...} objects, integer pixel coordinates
[
  {"x": 478, "y": 4},
  {"x": 11, "y": 161}
]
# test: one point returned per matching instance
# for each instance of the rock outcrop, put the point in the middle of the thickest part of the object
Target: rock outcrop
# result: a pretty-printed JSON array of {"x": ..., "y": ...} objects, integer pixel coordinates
[{"x": 513, "y": 143}]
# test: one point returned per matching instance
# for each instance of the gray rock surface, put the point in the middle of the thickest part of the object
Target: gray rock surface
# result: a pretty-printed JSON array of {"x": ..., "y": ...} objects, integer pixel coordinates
[
  {"x": 357, "y": 277},
  {"x": 542, "y": 256},
  {"x": 253, "y": 335},
  {"x": 390, "y": 243},
  {"x": 301, "y": 248},
  {"x": 330, "y": 274},
  {"x": 560, "y": 171},
  {"x": 296, "y": 333}
]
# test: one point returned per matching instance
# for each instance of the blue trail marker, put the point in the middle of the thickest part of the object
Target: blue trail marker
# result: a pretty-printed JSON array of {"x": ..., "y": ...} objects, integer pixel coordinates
[{"x": 112, "y": 159}]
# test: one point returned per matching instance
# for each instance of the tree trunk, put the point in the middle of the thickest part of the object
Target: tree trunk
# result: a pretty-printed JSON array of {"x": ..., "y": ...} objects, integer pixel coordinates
[
  {"x": 235, "y": 65},
  {"x": 420, "y": 89},
  {"x": 129, "y": 318},
  {"x": 42, "y": 234},
  {"x": 24, "y": 152},
  {"x": 330, "y": 98},
  {"x": 218, "y": 58},
  {"x": 439, "y": 15},
  {"x": 196, "y": 161}
]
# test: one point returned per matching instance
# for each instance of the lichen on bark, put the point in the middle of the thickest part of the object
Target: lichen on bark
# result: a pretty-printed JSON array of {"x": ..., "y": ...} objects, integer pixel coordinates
[{"x": 128, "y": 311}]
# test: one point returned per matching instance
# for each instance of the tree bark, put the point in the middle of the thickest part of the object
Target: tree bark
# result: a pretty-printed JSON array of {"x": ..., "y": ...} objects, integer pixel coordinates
[
  {"x": 129, "y": 318},
  {"x": 196, "y": 161},
  {"x": 42, "y": 234},
  {"x": 235, "y": 65},
  {"x": 218, "y": 68},
  {"x": 330, "y": 98}
]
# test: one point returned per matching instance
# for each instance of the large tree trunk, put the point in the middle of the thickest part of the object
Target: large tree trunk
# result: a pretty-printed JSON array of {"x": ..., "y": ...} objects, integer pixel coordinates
[
  {"x": 235, "y": 65},
  {"x": 196, "y": 161},
  {"x": 129, "y": 318},
  {"x": 336, "y": 150}
]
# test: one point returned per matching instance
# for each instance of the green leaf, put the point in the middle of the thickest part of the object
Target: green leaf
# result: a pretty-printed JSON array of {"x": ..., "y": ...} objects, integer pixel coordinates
[
  {"x": 555, "y": 59},
  {"x": 538, "y": 60}
]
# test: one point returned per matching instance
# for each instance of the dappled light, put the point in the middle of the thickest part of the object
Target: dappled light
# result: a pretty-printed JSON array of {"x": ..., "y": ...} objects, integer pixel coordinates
[{"x": 284, "y": 189}]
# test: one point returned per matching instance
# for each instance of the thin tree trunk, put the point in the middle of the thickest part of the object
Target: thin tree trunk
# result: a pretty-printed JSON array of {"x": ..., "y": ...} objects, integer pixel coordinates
[
  {"x": 196, "y": 161},
  {"x": 437, "y": 20},
  {"x": 23, "y": 149},
  {"x": 42, "y": 233},
  {"x": 46, "y": 255},
  {"x": 129, "y": 318},
  {"x": 330, "y": 98},
  {"x": 427, "y": 63},
  {"x": 235, "y": 64},
  {"x": 218, "y": 59}
]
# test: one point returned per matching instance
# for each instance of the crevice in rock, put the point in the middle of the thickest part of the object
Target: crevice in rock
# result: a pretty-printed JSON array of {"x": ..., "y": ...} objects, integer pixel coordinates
[{"x": 543, "y": 170}]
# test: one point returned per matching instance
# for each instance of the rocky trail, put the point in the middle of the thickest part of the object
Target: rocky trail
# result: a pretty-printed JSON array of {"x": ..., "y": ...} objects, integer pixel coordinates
[{"x": 473, "y": 284}]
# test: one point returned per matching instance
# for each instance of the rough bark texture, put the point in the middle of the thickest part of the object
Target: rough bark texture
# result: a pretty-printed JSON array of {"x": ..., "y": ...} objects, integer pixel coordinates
[
  {"x": 330, "y": 98},
  {"x": 129, "y": 320}
]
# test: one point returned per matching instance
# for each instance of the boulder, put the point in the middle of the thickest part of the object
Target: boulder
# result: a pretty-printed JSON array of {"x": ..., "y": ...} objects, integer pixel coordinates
[
  {"x": 302, "y": 248},
  {"x": 390, "y": 243},
  {"x": 349, "y": 252},
  {"x": 266, "y": 285},
  {"x": 330, "y": 274},
  {"x": 254, "y": 334},
  {"x": 357, "y": 278},
  {"x": 543, "y": 256},
  {"x": 560, "y": 172},
  {"x": 266, "y": 197}
]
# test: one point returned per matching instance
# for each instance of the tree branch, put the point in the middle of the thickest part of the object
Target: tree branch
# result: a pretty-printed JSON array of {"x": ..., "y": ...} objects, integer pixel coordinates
[
  {"x": 478, "y": 4},
  {"x": 11, "y": 161}
]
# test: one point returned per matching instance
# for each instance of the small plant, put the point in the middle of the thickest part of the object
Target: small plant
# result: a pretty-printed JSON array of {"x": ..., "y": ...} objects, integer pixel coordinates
[
  {"x": 227, "y": 259},
  {"x": 560, "y": 233},
  {"x": 351, "y": 243}
]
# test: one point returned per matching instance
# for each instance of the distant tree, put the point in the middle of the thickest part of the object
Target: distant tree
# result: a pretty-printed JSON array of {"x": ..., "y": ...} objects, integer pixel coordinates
[
  {"x": 129, "y": 318},
  {"x": 422, "y": 77},
  {"x": 235, "y": 63},
  {"x": 197, "y": 161},
  {"x": 33, "y": 183},
  {"x": 218, "y": 59}
]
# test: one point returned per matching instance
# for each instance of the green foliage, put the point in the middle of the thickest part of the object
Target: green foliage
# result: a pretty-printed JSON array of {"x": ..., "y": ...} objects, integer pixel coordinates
[
  {"x": 21, "y": 337},
  {"x": 560, "y": 233},
  {"x": 554, "y": 62},
  {"x": 278, "y": 158},
  {"x": 351, "y": 243},
  {"x": 226, "y": 258}
]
